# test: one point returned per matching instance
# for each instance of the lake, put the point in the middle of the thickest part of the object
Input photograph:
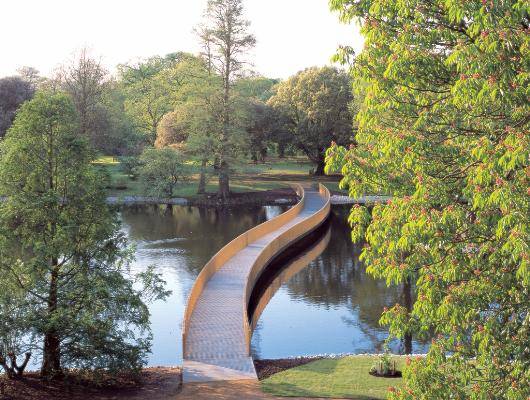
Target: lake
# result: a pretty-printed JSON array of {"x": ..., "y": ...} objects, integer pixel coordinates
[{"x": 324, "y": 302}]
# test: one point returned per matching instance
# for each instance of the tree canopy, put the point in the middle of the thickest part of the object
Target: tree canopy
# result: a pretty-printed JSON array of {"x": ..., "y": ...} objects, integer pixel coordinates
[
  {"x": 150, "y": 89},
  {"x": 316, "y": 105},
  {"x": 162, "y": 171},
  {"x": 444, "y": 131}
]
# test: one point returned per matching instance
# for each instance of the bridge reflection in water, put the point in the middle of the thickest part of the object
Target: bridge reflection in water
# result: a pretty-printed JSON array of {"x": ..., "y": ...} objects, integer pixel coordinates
[{"x": 267, "y": 287}]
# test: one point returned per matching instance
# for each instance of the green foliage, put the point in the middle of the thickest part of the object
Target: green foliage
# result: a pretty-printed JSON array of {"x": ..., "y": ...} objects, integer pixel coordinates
[
  {"x": 195, "y": 125},
  {"x": 316, "y": 106},
  {"x": 130, "y": 166},
  {"x": 257, "y": 87},
  {"x": 263, "y": 126},
  {"x": 151, "y": 89},
  {"x": 162, "y": 171},
  {"x": 444, "y": 131},
  {"x": 117, "y": 132},
  {"x": 226, "y": 35},
  {"x": 62, "y": 255}
]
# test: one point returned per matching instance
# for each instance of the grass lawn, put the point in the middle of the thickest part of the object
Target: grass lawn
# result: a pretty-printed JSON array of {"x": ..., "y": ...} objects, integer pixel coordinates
[
  {"x": 247, "y": 177},
  {"x": 340, "y": 378}
]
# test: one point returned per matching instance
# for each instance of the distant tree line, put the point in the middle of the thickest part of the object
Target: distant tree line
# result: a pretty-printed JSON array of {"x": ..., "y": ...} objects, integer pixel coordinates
[{"x": 209, "y": 107}]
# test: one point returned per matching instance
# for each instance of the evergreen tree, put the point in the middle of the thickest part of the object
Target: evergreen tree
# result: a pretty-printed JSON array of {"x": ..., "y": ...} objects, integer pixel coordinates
[{"x": 62, "y": 252}]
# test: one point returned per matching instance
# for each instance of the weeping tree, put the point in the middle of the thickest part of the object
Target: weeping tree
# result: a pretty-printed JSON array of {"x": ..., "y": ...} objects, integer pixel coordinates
[
  {"x": 226, "y": 39},
  {"x": 444, "y": 131},
  {"x": 62, "y": 252}
]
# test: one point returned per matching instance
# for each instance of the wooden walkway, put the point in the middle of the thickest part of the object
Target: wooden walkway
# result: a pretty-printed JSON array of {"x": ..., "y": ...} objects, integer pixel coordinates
[{"x": 216, "y": 331}]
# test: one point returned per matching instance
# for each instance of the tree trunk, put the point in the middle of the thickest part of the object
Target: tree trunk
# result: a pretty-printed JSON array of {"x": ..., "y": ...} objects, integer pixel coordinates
[
  {"x": 152, "y": 136},
  {"x": 263, "y": 154},
  {"x": 281, "y": 150},
  {"x": 14, "y": 371},
  {"x": 319, "y": 171},
  {"x": 224, "y": 182},
  {"x": 51, "y": 357},
  {"x": 224, "y": 179},
  {"x": 407, "y": 298},
  {"x": 202, "y": 180}
]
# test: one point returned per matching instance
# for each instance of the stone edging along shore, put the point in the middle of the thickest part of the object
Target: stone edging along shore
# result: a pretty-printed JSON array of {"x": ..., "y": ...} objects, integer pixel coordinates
[
  {"x": 240, "y": 200},
  {"x": 269, "y": 197},
  {"x": 182, "y": 201}
]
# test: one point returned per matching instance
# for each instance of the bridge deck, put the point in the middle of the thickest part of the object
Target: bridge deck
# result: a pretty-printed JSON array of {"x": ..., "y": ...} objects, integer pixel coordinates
[{"x": 216, "y": 347}]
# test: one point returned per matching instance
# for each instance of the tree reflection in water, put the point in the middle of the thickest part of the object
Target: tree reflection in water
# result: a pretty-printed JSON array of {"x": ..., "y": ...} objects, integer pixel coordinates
[
  {"x": 332, "y": 305},
  {"x": 201, "y": 231},
  {"x": 179, "y": 241}
]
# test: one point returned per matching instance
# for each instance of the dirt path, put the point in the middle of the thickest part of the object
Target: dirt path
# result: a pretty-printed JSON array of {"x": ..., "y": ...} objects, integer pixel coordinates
[{"x": 228, "y": 390}]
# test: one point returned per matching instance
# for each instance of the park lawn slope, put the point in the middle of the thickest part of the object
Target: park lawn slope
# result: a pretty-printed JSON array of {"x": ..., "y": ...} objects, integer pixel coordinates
[{"x": 346, "y": 377}]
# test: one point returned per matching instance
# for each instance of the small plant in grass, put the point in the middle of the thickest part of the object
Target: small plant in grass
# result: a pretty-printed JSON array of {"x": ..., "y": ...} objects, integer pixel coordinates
[{"x": 384, "y": 366}]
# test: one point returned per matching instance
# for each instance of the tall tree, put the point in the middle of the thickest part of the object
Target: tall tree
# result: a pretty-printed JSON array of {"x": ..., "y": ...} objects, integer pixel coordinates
[
  {"x": 13, "y": 92},
  {"x": 444, "y": 131},
  {"x": 62, "y": 250},
  {"x": 85, "y": 79},
  {"x": 194, "y": 125},
  {"x": 225, "y": 33},
  {"x": 316, "y": 105},
  {"x": 262, "y": 124}
]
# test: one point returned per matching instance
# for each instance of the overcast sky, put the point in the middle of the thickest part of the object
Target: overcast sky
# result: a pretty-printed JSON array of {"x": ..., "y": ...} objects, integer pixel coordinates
[{"x": 291, "y": 34}]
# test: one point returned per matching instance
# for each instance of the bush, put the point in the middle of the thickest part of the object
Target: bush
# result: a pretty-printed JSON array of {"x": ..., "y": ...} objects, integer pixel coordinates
[
  {"x": 162, "y": 171},
  {"x": 130, "y": 166}
]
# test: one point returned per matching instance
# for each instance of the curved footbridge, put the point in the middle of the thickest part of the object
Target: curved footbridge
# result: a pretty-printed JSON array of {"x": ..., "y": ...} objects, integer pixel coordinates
[{"x": 216, "y": 330}]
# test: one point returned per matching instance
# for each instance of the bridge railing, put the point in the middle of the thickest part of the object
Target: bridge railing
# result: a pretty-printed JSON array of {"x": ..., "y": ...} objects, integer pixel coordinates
[
  {"x": 275, "y": 247},
  {"x": 231, "y": 249}
]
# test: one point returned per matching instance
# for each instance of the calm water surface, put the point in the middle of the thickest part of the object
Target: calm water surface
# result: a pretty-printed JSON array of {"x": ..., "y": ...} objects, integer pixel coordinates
[{"x": 329, "y": 305}]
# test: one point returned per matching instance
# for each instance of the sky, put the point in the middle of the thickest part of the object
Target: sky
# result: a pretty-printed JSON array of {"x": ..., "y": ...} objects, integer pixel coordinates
[{"x": 291, "y": 34}]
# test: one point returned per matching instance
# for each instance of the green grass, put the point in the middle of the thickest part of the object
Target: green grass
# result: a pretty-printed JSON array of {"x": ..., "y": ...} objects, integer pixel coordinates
[
  {"x": 107, "y": 160},
  {"x": 247, "y": 177},
  {"x": 340, "y": 378}
]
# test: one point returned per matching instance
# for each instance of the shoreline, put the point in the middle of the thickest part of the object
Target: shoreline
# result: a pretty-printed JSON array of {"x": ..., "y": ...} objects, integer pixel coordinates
[
  {"x": 155, "y": 383},
  {"x": 274, "y": 197},
  {"x": 258, "y": 198}
]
